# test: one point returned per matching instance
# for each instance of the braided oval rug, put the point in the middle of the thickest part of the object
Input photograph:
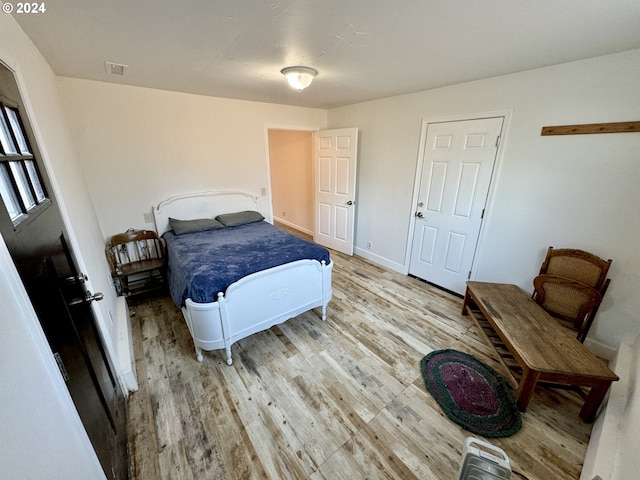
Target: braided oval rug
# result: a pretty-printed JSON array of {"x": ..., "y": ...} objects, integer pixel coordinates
[{"x": 471, "y": 393}]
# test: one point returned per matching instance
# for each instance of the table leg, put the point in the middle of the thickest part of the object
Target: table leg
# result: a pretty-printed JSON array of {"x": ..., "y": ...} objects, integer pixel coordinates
[
  {"x": 593, "y": 401},
  {"x": 525, "y": 388},
  {"x": 466, "y": 301}
]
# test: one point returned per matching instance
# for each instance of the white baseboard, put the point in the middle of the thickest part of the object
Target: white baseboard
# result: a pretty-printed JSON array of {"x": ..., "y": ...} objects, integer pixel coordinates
[
  {"x": 294, "y": 226},
  {"x": 396, "y": 267},
  {"x": 124, "y": 344}
]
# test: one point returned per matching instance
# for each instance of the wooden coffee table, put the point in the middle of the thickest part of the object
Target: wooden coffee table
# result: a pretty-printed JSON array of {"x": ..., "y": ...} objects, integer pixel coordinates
[{"x": 524, "y": 334}]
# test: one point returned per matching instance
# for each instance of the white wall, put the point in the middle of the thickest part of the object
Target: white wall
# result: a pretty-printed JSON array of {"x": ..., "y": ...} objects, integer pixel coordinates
[
  {"x": 614, "y": 443},
  {"x": 626, "y": 457},
  {"x": 577, "y": 191},
  {"x": 42, "y": 436},
  {"x": 139, "y": 146}
]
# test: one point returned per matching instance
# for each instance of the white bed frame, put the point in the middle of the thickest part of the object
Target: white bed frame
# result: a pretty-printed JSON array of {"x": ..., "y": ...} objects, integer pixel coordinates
[{"x": 256, "y": 302}]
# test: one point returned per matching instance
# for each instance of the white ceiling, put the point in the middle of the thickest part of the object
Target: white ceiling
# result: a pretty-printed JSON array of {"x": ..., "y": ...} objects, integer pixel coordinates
[{"x": 362, "y": 49}]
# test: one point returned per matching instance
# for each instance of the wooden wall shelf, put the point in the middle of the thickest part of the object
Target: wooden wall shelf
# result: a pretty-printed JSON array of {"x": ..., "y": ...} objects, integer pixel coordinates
[{"x": 591, "y": 128}]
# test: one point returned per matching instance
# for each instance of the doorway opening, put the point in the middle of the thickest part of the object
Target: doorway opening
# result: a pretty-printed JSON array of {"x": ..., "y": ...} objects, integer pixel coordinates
[
  {"x": 291, "y": 179},
  {"x": 320, "y": 167}
]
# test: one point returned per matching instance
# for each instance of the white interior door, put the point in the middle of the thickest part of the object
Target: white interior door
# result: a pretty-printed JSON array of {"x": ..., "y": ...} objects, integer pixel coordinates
[
  {"x": 457, "y": 165},
  {"x": 335, "y": 158}
]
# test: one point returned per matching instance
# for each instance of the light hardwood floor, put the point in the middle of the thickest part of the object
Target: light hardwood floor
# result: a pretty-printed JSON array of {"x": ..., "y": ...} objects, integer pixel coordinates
[{"x": 341, "y": 399}]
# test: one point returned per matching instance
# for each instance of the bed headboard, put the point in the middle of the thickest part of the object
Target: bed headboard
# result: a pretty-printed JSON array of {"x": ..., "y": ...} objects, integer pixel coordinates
[{"x": 201, "y": 205}]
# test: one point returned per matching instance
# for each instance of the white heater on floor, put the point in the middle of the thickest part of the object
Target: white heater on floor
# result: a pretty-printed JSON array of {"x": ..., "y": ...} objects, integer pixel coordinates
[{"x": 483, "y": 461}]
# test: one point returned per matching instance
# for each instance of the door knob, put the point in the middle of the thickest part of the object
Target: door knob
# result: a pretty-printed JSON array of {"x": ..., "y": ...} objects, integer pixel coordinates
[
  {"x": 88, "y": 298},
  {"x": 96, "y": 296},
  {"x": 79, "y": 278},
  {"x": 419, "y": 215},
  {"x": 350, "y": 202}
]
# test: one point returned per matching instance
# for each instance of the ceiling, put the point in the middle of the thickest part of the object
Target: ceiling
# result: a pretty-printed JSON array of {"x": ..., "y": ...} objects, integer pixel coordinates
[{"x": 362, "y": 49}]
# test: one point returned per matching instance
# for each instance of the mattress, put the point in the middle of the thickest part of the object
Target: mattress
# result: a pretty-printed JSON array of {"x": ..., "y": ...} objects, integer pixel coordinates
[{"x": 200, "y": 265}]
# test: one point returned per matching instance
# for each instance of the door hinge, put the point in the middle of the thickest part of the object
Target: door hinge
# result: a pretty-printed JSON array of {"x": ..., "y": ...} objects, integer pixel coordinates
[
  {"x": 482, "y": 214},
  {"x": 469, "y": 276},
  {"x": 498, "y": 141}
]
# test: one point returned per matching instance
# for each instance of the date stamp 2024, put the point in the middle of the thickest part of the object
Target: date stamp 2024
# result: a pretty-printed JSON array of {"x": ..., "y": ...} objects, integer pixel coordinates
[{"x": 24, "y": 7}]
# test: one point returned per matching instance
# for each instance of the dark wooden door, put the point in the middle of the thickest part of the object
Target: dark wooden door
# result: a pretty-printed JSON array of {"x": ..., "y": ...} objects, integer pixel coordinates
[
  {"x": 36, "y": 240},
  {"x": 62, "y": 305}
]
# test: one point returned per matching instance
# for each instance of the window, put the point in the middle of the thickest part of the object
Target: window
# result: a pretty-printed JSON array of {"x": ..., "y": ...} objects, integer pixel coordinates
[{"x": 21, "y": 188}]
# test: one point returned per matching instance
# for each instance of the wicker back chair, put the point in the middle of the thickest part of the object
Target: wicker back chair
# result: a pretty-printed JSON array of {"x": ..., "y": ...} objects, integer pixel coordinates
[
  {"x": 577, "y": 265},
  {"x": 570, "y": 287}
]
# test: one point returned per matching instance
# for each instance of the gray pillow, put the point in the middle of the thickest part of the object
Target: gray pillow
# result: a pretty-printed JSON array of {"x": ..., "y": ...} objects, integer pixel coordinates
[
  {"x": 190, "y": 226},
  {"x": 239, "y": 218}
]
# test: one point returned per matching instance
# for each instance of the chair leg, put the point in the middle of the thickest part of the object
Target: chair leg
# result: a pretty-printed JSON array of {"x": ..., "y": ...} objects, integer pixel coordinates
[
  {"x": 119, "y": 286},
  {"x": 584, "y": 330},
  {"x": 123, "y": 286},
  {"x": 586, "y": 325}
]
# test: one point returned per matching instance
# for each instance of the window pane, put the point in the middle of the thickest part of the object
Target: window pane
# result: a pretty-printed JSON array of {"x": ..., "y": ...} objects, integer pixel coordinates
[
  {"x": 35, "y": 180},
  {"x": 7, "y": 193},
  {"x": 20, "y": 177},
  {"x": 17, "y": 130},
  {"x": 5, "y": 137}
]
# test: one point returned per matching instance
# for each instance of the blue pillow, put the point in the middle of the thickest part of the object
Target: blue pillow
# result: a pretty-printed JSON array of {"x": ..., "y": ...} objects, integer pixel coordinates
[
  {"x": 190, "y": 226},
  {"x": 239, "y": 218}
]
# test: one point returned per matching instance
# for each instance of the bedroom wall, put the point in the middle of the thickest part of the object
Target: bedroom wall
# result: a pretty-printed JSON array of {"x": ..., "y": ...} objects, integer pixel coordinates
[
  {"x": 139, "y": 146},
  {"x": 567, "y": 191},
  {"x": 291, "y": 165},
  {"x": 41, "y": 430}
]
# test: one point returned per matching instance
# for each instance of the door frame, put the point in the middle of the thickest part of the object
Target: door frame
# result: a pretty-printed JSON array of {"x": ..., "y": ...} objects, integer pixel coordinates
[{"x": 497, "y": 168}]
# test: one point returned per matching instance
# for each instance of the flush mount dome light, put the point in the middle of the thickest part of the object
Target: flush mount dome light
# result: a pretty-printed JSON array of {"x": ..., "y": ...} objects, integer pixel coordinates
[{"x": 299, "y": 77}]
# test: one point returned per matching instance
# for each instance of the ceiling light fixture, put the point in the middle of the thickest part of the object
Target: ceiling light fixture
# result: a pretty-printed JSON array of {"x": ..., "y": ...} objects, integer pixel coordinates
[{"x": 299, "y": 77}]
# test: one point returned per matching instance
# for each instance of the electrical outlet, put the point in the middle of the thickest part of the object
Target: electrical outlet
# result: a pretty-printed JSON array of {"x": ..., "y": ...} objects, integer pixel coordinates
[
  {"x": 148, "y": 218},
  {"x": 263, "y": 191},
  {"x": 283, "y": 213},
  {"x": 369, "y": 245}
]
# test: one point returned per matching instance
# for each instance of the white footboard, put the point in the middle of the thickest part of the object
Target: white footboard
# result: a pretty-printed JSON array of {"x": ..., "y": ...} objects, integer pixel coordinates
[{"x": 257, "y": 302}]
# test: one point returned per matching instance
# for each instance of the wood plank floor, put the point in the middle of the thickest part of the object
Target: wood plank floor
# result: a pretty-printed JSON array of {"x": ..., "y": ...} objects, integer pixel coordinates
[{"x": 341, "y": 399}]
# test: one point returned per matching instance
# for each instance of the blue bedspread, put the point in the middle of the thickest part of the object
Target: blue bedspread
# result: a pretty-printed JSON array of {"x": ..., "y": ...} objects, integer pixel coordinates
[{"x": 202, "y": 264}]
